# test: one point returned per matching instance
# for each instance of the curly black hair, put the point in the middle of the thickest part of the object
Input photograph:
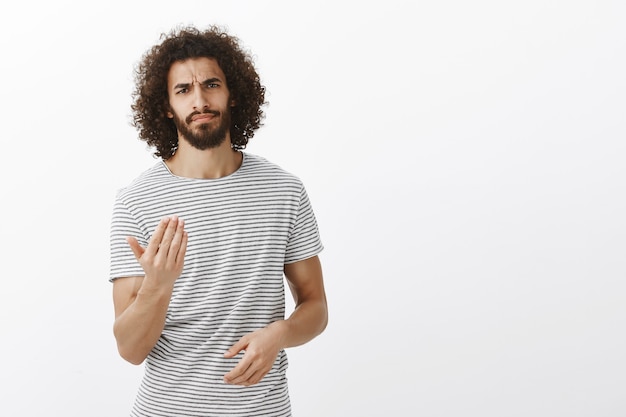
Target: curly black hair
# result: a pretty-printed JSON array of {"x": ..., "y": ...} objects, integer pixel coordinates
[{"x": 150, "y": 97}]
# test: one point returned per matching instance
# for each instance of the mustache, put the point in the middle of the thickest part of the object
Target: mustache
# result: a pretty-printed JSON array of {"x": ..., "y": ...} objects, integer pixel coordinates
[{"x": 207, "y": 111}]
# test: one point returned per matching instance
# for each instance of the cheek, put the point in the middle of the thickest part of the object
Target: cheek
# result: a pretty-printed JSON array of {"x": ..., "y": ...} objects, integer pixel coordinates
[{"x": 171, "y": 111}]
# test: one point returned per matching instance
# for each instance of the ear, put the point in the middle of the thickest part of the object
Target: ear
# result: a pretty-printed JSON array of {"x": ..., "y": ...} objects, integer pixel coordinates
[
  {"x": 169, "y": 115},
  {"x": 232, "y": 103}
]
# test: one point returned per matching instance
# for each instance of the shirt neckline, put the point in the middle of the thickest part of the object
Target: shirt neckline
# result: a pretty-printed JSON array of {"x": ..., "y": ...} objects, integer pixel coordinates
[{"x": 226, "y": 177}]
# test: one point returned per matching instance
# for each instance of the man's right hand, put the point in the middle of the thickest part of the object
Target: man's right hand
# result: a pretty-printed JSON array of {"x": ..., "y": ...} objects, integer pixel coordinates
[
  {"x": 141, "y": 302},
  {"x": 163, "y": 259}
]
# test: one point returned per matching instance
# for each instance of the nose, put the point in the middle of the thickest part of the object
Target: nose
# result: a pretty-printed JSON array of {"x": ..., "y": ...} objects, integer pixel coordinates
[{"x": 199, "y": 100}]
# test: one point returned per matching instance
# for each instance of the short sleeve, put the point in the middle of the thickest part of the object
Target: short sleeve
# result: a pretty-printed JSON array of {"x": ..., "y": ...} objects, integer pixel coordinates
[
  {"x": 122, "y": 260},
  {"x": 304, "y": 239}
]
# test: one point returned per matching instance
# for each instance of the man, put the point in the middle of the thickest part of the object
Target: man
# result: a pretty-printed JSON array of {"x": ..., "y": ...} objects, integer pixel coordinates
[{"x": 201, "y": 241}]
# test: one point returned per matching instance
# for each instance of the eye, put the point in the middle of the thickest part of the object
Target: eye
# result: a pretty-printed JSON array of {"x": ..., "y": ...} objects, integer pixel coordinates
[{"x": 182, "y": 91}]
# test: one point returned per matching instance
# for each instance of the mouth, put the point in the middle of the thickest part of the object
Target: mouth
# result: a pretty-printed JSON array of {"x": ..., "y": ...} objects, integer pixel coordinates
[{"x": 202, "y": 117}]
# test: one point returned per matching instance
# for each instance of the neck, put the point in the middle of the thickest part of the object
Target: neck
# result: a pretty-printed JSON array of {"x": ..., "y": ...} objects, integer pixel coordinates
[{"x": 190, "y": 162}]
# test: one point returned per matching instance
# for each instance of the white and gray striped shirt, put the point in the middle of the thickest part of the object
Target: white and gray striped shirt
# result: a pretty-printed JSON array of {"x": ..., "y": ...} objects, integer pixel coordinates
[{"x": 242, "y": 229}]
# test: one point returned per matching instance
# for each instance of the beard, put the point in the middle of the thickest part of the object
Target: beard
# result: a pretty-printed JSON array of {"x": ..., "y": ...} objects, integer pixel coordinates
[{"x": 204, "y": 136}]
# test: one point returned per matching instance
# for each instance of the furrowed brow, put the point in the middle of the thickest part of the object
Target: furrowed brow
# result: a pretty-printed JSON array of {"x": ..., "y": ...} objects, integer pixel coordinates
[{"x": 211, "y": 81}]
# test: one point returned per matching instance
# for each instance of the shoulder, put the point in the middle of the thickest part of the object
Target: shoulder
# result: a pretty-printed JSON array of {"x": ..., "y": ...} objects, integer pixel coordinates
[
  {"x": 144, "y": 181},
  {"x": 258, "y": 166}
]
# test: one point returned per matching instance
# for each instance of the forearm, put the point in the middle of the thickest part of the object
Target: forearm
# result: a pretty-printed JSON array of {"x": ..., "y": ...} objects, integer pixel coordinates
[
  {"x": 139, "y": 327},
  {"x": 307, "y": 321}
]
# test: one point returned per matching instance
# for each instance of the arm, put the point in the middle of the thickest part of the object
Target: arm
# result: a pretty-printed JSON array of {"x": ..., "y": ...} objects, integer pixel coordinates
[
  {"x": 310, "y": 315},
  {"x": 141, "y": 302},
  {"x": 308, "y": 320}
]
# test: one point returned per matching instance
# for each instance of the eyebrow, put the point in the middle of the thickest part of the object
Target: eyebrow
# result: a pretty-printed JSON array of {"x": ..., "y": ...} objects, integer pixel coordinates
[{"x": 205, "y": 82}]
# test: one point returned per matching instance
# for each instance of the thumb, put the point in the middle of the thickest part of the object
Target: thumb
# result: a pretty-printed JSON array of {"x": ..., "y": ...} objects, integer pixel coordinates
[
  {"x": 135, "y": 247},
  {"x": 236, "y": 348}
]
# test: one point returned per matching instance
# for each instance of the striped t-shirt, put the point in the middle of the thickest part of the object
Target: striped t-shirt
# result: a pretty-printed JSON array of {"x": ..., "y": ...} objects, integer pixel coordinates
[{"x": 242, "y": 229}]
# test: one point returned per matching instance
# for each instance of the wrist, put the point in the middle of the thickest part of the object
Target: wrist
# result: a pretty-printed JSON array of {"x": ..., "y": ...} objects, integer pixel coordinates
[
  {"x": 280, "y": 329},
  {"x": 150, "y": 288}
]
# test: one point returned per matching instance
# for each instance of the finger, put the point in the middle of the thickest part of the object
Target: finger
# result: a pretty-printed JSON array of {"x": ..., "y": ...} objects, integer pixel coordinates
[
  {"x": 235, "y": 374},
  {"x": 245, "y": 378},
  {"x": 176, "y": 243},
  {"x": 137, "y": 249},
  {"x": 255, "y": 373},
  {"x": 157, "y": 236},
  {"x": 180, "y": 258},
  {"x": 168, "y": 235},
  {"x": 236, "y": 348},
  {"x": 255, "y": 378}
]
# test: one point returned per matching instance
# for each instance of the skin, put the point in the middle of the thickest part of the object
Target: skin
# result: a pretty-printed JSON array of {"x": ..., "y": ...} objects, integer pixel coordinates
[{"x": 141, "y": 302}]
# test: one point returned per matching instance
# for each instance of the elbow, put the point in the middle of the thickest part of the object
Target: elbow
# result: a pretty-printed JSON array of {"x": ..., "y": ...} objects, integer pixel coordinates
[
  {"x": 128, "y": 352},
  {"x": 134, "y": 362},
  {"x": 130, "y": 356},
  {"x": 324, "y": 319}
]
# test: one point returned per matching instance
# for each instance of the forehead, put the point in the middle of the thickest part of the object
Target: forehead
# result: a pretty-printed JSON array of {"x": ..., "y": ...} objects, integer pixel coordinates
[{"x": 194, "y": 69}]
